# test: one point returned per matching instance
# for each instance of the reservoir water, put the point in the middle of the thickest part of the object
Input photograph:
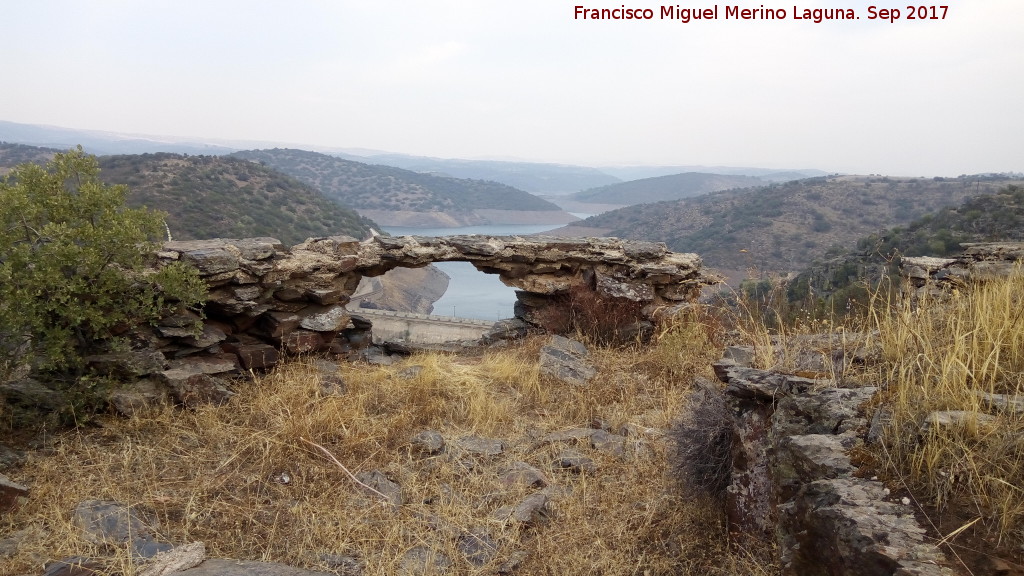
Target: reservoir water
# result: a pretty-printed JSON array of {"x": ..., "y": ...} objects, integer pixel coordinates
[{"x": 471, "y": 293}]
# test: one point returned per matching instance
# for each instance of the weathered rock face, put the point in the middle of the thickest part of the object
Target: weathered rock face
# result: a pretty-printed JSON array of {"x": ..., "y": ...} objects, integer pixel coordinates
[
  {"x": 267, "y": 300},
  {"x": 793, "y": 480},
  {"x": 644, "y": 271},
  {"x": 263, "y": 293},
  {"x": 978, "y": 262}
]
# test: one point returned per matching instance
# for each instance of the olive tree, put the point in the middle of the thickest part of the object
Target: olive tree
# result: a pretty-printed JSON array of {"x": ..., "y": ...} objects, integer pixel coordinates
[{"x": 73, "y": 263}]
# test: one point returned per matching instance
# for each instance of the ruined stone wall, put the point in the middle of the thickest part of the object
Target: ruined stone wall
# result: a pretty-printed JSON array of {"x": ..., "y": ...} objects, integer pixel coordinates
[
  {"x": 267, "y": 300},
  {"x": 793, "y": 483},
  {"x": 977, "y": 263}
]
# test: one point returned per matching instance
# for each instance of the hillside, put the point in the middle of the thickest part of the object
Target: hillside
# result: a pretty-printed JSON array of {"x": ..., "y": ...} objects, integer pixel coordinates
[
  {"x": 13, "y": 154},
  {"x": 783, "y": 227},
  {"x": 988, "y": 218},
  {"x": 769, "y": 175},
  {"x": 217, "y": 196},
  {"x": 534, "y": 177},
  {"x": 662, "y": 188},
  {"x": 398, "y": 197}
]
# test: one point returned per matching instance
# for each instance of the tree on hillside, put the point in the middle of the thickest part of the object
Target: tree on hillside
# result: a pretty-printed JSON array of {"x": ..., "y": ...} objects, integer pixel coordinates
[{"x": 72, "y": 263}]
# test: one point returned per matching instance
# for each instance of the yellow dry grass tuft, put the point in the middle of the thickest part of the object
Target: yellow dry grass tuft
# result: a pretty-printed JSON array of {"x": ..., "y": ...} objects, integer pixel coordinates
[
  {"x": 241, "y": 478},
  {"x": 951, "y": 354}
]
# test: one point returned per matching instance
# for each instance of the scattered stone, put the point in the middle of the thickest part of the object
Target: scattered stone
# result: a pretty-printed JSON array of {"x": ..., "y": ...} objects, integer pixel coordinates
[
  {"x": 573, "y": 461},
  {"x": 343, "y": 565},
  {"x": 379, "y": 481},
  {"x": 74, "y": 566},
  {"x": 217, "y": 567},
  {"x": 827, "y": 411},
  {"x": 856, "y": 532},
  {"x": 809, "y": 456},
  {"x": 375, "y": 355},
  {"x": 479, "y": 446},
  {"x": 32, "y": 394},
  {"x": 508, "y": 329},
  {"x": 477, "y": 545},
  {"x": 219, "y": 364},
  {"x": 608, "y": 443},
  {"x": 740, "y": 355},
  {"x": 9, "y": 545},
  {"x": 959, "y": 419},
  {"x": 10, "y": 457},
  {"x": 754, "y": 384},
  {"x": 423, "y": 561},
  {"x": 110, "y": 522},
  {"x": 514, "y": 562},
  {"x": 523, "y": 473},
  {"x": 1003, "y": 402},
  {"x": 410, "y": 372},
  {"x": 209, "y": 336},
  {"x": 131, "y": 364},
  {"x": 572, "y": 435},
  {"x": 533, "y": 510},
  {"x": 192, "y": 389},
  {"x": 211, "y": 261},
  {"x": 428, "y": 442},
  {"x": 638, "y": 431},
  {"x": 302, "y": 342},
  {"x": 566, "y": 360},
  {"x": 257, "y": 356},
  {"x": 324, "y": 319},
  {"x": 10, "y": 492},
  {"x": 879, "y": 421},
  {"x": 138, "y": 396},
  {"x": 174, "y": 560}
]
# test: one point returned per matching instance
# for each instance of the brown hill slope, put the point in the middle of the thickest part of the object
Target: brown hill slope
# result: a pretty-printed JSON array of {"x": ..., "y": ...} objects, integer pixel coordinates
[
  {"x": 13, "y": 154},
  {"x": 663, "y": 188},
  {"x": 211, "y": 196},
  {"x": 783, "y": 227},
  {"x": 398, "y": 197}
]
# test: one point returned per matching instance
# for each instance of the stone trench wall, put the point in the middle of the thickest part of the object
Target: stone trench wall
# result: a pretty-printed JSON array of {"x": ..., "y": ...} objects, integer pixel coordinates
[
  {"x": 266, "y": 299},
  {"x": 793, "y": 482},
  {"x": 977, "y": 263}
]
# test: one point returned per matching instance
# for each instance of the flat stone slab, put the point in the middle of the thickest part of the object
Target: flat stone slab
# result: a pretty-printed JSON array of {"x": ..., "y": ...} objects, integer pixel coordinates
[{"x": 217, "y": 567}]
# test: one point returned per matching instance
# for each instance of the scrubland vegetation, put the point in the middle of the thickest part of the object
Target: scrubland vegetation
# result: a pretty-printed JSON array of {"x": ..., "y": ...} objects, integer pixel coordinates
[{"x": 242, "y": 478}]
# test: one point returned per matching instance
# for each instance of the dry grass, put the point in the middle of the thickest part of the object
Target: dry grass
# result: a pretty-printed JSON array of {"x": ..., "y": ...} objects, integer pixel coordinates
[
  {"x": 944, "y": 354},
  {"x": 215, "y": 473}
]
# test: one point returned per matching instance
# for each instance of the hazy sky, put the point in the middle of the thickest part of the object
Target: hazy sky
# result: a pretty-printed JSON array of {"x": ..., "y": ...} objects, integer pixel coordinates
[{"x": 524, "y": 79}]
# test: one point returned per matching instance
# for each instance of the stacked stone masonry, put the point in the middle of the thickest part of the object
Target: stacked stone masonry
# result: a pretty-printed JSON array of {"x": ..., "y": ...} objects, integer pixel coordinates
[
  {"x": 266, "y": 299},
  {"x": 793, "y": 482}
]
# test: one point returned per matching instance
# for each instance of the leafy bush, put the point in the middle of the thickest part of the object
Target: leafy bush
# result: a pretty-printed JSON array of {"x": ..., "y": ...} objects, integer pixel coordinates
[{"x": 72, "y": 263}]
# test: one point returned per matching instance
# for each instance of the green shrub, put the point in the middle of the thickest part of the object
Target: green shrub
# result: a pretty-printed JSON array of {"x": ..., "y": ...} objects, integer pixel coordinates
[{"x": 72, "y": 263}]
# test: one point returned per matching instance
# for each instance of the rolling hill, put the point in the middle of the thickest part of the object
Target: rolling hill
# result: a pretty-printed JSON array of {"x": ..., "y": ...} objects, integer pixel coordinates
[
  {"x": 662, "y": 188},
  {"x": 13, "y": 154},
  {"x": 987, "y": 218},
  {"x": 783, "y": 227},
  {"x": 218, "y": 196},
  {"x": 534, "y": 177},
  {"x": 398, "y": 197}
]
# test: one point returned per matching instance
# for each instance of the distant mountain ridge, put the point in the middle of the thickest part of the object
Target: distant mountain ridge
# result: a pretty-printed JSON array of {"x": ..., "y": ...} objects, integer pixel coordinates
[
  {"x": 662, "y": 188},
  {"x": 783, "y": 227},
  {"x": 533, "y": 177},
  {"x": 768, "y": 175},
  {"x": 398, "y": 197}
]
